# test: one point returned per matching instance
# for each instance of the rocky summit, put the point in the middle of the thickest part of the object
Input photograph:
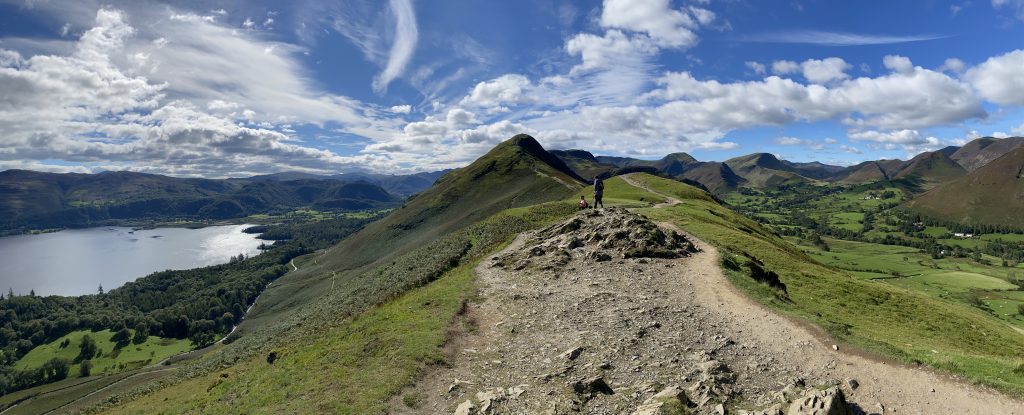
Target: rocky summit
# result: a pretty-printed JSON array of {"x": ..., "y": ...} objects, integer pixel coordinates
[
  {"x": 599, "y": 236},
  {"x": 598, "y": 315}
]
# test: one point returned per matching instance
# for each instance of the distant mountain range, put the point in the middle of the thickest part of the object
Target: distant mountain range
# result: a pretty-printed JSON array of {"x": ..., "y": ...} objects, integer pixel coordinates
[
  {"x": 924, "y": 172},
  {"x": 401, "y": 185},
  {"x": 37, "y": 200},
  {"x": 33, "y": 200}
]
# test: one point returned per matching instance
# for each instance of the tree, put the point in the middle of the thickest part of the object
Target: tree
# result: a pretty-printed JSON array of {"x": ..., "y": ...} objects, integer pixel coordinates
[
  {"x": 100, "y": 289},
  {"x": 141, "y": 333},
  {"x": 122, "y": 337},
  {"x": 85, "y": 369},
  {"x": 32, "y": 292},
  {"x": 87, "y": 348},
  {"x": 55, "y": 369},
  {"x": 10, "y": 293}
]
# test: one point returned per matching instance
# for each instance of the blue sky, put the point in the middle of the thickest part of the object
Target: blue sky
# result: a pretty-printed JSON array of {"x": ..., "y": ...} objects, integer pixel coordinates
[{"x": 231, "y": 88}]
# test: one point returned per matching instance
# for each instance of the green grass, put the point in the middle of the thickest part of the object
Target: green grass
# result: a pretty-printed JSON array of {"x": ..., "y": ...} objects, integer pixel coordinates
[
  {"x": 619, "y": 193},
  {"x": 353, "y": 365},
  {"x": 351, "y": 369},
  {"x": 903, "y": 324},
  {"x": 113, "y": 360}
]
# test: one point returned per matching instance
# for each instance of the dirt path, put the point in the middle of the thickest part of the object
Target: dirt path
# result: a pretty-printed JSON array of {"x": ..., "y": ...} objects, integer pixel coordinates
[
  {"x": 893, "y": 386},
  {"x": 642, "y": 324}
]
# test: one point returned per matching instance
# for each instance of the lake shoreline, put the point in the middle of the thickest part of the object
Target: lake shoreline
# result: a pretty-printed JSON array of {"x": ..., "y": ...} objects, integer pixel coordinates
[
  {"x": 75, "y": 261},
  {"x": 141, "y": 225}
]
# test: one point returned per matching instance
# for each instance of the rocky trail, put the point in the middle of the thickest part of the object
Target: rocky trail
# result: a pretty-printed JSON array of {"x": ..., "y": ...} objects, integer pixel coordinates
[{"x": 609, "y": 313}]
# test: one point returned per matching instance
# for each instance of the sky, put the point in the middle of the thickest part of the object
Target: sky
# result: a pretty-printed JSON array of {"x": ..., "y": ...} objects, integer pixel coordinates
[{"x": 229, "y": 88}]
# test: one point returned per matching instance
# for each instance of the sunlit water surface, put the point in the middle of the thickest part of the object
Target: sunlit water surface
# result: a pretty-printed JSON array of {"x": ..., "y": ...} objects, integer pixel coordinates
[{"x": 74, "y": 262}]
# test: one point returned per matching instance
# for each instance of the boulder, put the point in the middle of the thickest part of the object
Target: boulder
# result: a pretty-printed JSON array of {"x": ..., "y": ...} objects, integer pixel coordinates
[
  {"x": 670, "y": 401},
  {"x": 825, "y": 402},
  {"x": 592, "y": 386},
  {"x": 466, "y": 408}
]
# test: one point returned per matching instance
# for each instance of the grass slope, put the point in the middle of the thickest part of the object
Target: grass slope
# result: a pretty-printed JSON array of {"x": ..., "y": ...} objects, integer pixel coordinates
[
  {"x": 516, "y": 173},
  {"x": 113, "y": 360},
  {"x": 900, "y": 323},
  {"x": 982, "y": 151},
  {"x": 353, "y": 366},
  {"x": 990, "y": 195},
  {"x": 928, "y": 170}
]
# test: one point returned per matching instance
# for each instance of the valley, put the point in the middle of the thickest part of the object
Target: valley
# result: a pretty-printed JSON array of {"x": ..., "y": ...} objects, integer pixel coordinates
[{"x": 357, "y": 320}]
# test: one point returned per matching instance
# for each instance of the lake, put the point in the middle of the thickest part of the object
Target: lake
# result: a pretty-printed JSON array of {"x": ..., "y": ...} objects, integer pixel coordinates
[{"x": 75, "y": 262}]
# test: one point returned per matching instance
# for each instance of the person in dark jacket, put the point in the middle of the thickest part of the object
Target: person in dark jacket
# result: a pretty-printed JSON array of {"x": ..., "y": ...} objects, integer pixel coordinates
[{"x": 598, "y": 192}]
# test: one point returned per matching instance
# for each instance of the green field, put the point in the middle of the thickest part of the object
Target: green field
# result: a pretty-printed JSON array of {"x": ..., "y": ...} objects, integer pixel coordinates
[{"x": 112, "y": 360}]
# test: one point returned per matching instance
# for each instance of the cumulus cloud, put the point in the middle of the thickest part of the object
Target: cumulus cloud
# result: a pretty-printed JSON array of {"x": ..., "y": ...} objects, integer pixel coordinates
[
  {"x": 401, "y": 109},
  {"x": 953, "y": 65},
  {"x": 613, "y": 48},
  {"x": 898, "y": 63},
  {"x": 825, "y": 70},
  {"x": 97, "y": 106},
  {"x": 757, "y": 67},
  {"x": 785, "y": 67},
  {"x": 668, "y": 27},
  {"x": 1000, "y": 79},
  {"x": 850, "y": 149},
  {"x": 794, "y": 141}
]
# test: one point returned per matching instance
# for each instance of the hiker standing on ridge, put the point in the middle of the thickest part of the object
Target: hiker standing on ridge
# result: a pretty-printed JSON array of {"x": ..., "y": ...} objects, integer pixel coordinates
[{"x": 598, "y": 192}]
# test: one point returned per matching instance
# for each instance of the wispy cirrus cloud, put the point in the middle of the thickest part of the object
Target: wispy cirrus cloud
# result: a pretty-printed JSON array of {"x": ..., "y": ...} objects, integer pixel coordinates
[
  {"x": 403, "y": 46},
  {"x": 826, "y": 38}
]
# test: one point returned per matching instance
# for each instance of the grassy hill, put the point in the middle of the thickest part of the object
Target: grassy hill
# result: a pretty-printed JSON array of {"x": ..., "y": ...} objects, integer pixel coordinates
[
  {"x": 763, "y": 170},
  {"x": 37, "y": 200},
  {"x": 717, "y": 177},
  {"x": 357, "y": 321},
  {"x": 982, "y": 151},
  {"x": 401, "y": 185},
  {"x": 584, "y": 163},
  {"x": 991, "y": 195},
  {"x": 516, "y": 173},
  {"x": 928, "y": 170}
]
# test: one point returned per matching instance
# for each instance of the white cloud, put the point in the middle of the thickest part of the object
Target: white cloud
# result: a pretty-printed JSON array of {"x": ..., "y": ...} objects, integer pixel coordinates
[
  {"x": 608, "y": 50},
  {"x": 953, "y": 65},
  {"x": 757, "y": 67},
  {"x": 794, "y": 141},
  {"x": 905, "y": 136},
  {"x": 898, "y": 63},
  {"x": 785, "y": 67},
  {"x": 825, "y": 70},
  {"x": 850, "y": 149},
  {"x": 406, "y": 36},
  {"x": 789, "y": 141},
  {"x": 1018, "y": 130},
  {"x": 401, "y": 109},
  {"x": 815, "y": 37},
  {"x": 1000, "y": 79},
  {"x": 504, "y": 90},
  {"x": 97, "y": 105},
  {"x": 668, "y": 27}
]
